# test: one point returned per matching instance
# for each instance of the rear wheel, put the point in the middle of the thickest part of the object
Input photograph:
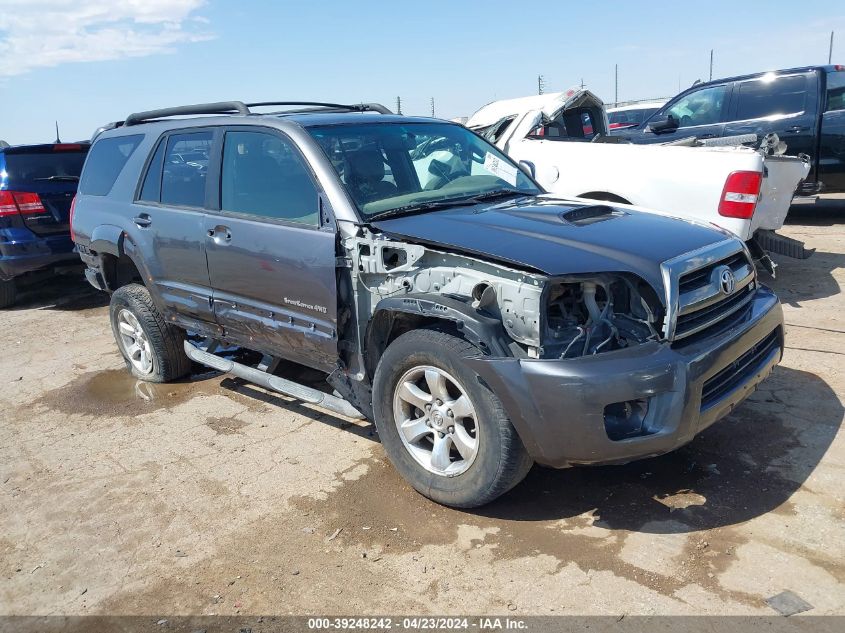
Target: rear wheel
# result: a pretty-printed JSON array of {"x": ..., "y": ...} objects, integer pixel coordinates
[
  {"x": 152, "y": 348},
  {"x": 443, "y": 429},
  {"x": 8, "y": 293}
]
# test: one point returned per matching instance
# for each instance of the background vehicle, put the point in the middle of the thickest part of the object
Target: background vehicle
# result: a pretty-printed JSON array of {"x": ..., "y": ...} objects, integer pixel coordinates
[
  {"x": 631, "y": 115},
  {"x": 37, "y": 185},
  {"x": 739, "y": 189},
  {"x": 805, "y": 107},
  {"x": 441, "y": 292}
]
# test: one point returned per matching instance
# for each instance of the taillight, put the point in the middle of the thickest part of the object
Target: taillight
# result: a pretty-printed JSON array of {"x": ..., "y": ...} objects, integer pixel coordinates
[
  {"x": 740, "y": 195},
  {"x": 14, "y": 202},
  {"x": 67, "y": 147},
  {"x": 70, "y": 219}
]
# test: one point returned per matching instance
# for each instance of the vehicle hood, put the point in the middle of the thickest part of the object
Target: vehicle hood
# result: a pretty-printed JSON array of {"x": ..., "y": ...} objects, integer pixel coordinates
[{"x": 533, "y": 233}]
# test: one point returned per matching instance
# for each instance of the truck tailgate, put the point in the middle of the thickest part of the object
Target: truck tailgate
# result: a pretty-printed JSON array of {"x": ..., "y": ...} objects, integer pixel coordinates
[{"x": 782, "y": 176}]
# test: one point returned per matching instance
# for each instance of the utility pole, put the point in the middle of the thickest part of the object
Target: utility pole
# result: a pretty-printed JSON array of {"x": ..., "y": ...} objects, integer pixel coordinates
[
  {"x": 398, "y": 105},
  {"x": 432, "y": 107},
  {"x": 615, "y": 85},
  {"x": 541, "y": 84},
  {"x": 711, "y": 64},
  {"x": 830, "y": 50}
]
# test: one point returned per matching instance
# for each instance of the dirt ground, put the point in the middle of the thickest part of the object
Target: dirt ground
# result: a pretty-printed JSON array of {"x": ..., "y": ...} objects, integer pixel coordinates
[{"x": 214, "y": 497}]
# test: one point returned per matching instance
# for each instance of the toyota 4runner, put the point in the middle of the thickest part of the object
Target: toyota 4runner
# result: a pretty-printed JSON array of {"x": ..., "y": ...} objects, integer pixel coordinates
[{"x": 482, "y": 324}]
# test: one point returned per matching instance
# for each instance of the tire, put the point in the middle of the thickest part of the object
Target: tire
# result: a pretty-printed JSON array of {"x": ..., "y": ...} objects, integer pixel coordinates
[
  {"x": 484, "y": 458},
  {"x": 158, "y": 354},
  {"x": 8, "y": 293}
]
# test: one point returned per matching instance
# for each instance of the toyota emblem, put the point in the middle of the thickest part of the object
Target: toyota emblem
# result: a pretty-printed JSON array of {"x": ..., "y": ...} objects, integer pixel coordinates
[{"x": 727, "y": 281}]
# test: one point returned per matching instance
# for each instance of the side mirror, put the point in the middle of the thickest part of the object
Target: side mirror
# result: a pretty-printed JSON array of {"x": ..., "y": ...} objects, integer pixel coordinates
[
  {"x": 662, "y": 123},
  {"x": 528, "y": 167}
]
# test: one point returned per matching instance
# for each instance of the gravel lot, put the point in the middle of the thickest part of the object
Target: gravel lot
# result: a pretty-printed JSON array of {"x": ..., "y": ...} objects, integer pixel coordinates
[{"x": 214, "y": 497}]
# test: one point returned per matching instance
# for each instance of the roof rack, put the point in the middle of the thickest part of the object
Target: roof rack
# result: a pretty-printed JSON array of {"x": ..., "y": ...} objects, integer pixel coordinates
[
  {"x": 221, "y": 107},
  {"x": 312, "y": 105},
  {"x": 242, "y": 109}
]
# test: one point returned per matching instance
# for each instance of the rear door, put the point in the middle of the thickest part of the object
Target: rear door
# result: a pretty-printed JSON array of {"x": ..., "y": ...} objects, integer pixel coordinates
[
  {"x": 52, "y": 173},
  {"x": 168, "y": 222},
  {"x": 783, "y": 104},
  {"x": 831, "y": 160},
  {"x": 270, "y": 258}
]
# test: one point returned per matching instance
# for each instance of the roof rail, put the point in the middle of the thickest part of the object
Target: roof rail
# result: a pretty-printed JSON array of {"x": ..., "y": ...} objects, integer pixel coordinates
[
  {"x": 355, "y": 107},
  {"x": 222, "y": 107}
]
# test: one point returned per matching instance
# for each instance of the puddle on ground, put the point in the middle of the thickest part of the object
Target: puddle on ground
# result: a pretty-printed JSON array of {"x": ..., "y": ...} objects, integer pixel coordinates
[{"x": 117, "y": 392}]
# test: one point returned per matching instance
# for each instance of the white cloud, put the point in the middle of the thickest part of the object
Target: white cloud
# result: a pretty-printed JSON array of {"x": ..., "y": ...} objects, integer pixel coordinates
[{"x": 40, "y": 33}]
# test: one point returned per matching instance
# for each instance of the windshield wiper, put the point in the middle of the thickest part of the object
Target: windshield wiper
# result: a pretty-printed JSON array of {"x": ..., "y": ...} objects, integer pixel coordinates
[
  {"x": 423, "y": 207},
  {"x": 60, "y": 178},
  {"x": 499, "y": 193}
]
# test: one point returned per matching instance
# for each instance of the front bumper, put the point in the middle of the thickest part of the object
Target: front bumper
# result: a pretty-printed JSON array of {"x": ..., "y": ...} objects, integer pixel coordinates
[
  {"x": 21, "y": 256},
  {"x": 558, "y": 406}
]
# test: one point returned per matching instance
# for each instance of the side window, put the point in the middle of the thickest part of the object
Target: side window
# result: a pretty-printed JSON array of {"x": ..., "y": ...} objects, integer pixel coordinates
[
  {"x": 764, "y": 97},
  {"x": 835, "y": 91},
  {"x": 151, "y": 189},
  {"x": 701, "y": 107},
  {"x": 185, "y": 169},
  {"x": 262, "y": 174},
  {"x": 106, "y": 160}
]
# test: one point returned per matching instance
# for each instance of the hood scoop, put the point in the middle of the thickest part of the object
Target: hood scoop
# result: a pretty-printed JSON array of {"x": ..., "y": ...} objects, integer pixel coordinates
[{"x": 590, "y": 214}]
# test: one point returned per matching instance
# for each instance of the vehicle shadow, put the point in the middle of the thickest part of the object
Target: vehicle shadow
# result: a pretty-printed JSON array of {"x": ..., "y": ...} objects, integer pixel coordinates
[
  {"x": 361, "y": 428},
  {"x": 61, "y": 292},
  {"x": 818, "y": 212},
  {"x": 800, "y": 280},
  {"x": 746, "y": 465}
]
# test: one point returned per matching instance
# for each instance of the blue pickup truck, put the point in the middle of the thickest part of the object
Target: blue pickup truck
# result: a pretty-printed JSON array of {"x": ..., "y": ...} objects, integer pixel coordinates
[
  {"x": 37, "y": 186},
  {"x": 805, "y": 107}
]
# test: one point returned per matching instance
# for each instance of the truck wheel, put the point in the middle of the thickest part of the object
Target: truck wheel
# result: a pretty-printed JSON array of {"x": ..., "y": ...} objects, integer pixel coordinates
[
  {"x": 443, "y": 429},
  {"x": 8, "y": 293},
  {"x": 150, "y": 346}
]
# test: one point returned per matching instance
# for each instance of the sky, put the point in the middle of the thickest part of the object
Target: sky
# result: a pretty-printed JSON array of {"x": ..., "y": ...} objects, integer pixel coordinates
[{"x": 87, "y": 62}]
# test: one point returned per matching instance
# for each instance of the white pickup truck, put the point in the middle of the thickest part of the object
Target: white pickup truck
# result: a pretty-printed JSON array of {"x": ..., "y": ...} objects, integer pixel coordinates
[{"x": 743, "y": 190}]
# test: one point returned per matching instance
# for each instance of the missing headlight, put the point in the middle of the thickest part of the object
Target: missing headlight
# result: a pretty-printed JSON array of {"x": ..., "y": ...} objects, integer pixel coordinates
[{"x": 590, "y": 316}]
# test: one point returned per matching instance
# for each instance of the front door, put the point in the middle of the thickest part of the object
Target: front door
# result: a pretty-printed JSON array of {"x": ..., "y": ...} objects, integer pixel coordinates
[
  {"x": 700, "y": 113},
  {"x": 270, "y": 261}
]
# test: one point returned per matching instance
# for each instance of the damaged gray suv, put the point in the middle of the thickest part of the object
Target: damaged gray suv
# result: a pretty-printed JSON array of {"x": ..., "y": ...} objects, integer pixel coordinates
[{"x": 482, "y": 324}]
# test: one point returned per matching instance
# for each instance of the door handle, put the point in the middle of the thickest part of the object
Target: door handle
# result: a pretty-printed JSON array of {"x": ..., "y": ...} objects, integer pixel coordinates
[
  {"x": 220, "y": 233},
  {"x": 798, "y": 128},
  {"x": 142, "y": 220}
]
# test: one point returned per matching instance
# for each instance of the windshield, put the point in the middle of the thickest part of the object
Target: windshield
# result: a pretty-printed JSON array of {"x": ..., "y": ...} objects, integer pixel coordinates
[{"x": 388, "y": 168}]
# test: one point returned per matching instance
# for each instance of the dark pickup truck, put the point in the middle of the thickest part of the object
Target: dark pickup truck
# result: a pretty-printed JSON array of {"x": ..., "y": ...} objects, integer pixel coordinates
[
  {"x": 482, "y": 324},
  {"x": 804, "y": 107}
]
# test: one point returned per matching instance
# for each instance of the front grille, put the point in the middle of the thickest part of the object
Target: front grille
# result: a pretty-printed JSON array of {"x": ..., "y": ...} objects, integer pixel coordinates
[
  {"x": 739, "y": 372},
  {"x": 703, "y": 302},
  {"x": 701, "y": 277}
]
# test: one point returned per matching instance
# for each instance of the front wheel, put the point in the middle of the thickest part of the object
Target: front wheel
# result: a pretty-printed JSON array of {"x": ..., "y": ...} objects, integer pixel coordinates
[
  {"x": 152, "y": 348},
  {"x": 443, "y": 429}
]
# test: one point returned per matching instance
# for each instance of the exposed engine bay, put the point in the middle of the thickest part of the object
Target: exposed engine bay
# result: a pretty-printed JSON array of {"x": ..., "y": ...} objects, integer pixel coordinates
[{"x": 582, "y": 316}]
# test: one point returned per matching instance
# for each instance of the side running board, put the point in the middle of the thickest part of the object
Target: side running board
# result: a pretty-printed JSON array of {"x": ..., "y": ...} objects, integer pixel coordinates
[{"x": 275, "y": 383}]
